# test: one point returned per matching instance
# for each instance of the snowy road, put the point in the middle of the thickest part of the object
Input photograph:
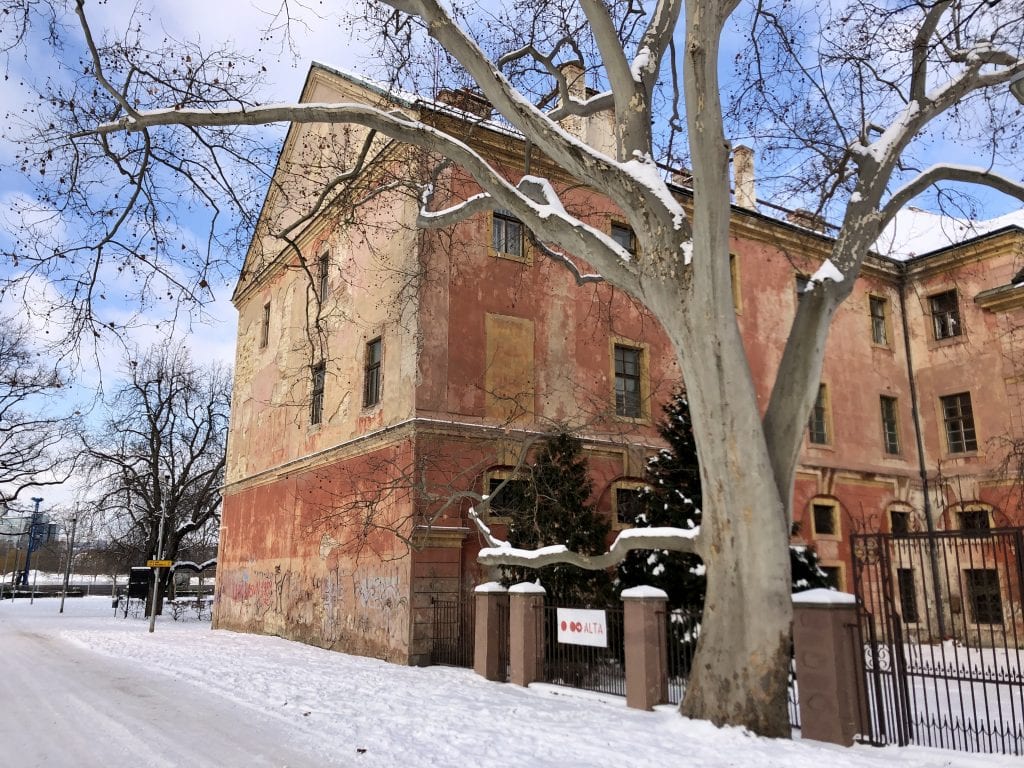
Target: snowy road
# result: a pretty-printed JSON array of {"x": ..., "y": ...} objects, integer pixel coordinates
[
  {"x": 68, "y": 706},
  {"x": 78, "y": 691}
]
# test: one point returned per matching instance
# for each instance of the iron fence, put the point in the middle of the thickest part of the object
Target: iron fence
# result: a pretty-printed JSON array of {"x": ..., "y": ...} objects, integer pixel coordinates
[
  {"x": 453, "y": 622},
  {"x": 942, "y": 634},
  {"x": 583, "y": 666},
  {"x": 682, "y": 630}
]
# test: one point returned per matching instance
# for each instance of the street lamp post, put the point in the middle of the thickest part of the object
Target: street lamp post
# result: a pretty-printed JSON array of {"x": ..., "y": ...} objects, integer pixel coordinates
[
  {"x": 159, "y": 553},
  {"x": 31, "y": 540},
  {"x": 67, "y": 566}
]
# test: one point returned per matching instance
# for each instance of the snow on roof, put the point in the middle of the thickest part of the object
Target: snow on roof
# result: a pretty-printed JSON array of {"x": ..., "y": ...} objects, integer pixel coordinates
[{"x": 915, "y": 232}]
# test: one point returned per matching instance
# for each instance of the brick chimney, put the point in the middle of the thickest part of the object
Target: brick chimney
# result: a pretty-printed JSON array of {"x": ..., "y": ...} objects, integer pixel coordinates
[{"x": 743, "y": 177}]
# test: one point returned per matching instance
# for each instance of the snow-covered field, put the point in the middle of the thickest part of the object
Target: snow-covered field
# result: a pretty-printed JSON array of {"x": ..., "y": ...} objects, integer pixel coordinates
[{"x": 337, "y": 710}]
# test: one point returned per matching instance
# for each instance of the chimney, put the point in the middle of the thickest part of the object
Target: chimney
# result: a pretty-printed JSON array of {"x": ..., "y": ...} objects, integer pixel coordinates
[
  {"x": 806, "y": 219},
  {"x": 466, "y": 100},
  {"x": 597, "y": 131},
  {"x": 743, "y": 177}
]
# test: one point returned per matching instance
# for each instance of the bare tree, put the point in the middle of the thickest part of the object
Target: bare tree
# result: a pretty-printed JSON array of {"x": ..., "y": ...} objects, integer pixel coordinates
[
  {"x": 860, "y": 97},
  {"x": 160, "y": 451},
  {"x": 31, "y": 433}
]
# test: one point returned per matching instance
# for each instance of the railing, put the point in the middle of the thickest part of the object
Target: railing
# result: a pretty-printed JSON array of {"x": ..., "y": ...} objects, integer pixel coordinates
[{"x": 582, "y": 666}]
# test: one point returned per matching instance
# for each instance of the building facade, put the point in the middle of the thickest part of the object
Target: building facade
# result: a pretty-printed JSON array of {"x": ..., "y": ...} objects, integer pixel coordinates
[{"x": 387, "y": 375}]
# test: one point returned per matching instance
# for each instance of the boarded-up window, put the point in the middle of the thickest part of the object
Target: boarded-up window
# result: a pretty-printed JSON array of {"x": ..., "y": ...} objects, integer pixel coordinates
[{"x": 509, "y": 376}]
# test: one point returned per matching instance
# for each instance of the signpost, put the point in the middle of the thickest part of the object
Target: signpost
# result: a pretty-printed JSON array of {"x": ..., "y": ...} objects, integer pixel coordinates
[{"x": 582, "y": 627}]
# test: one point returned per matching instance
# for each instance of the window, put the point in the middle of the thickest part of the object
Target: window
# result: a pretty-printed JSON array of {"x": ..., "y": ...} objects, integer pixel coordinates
[
  {"x": 802, "y": 282},
  {"x": 945, "y": 315},
  {"x": 899, "y": 522},
  {"x": 265, "y": 326},
  {"x": 323, "y": 266},
  {"x": 512, "y": 499},
  {"x": 316, "y": 402},
  {"x": 908, "y": 594},
  {"x": 507, "y": 234},
  {"x": 734, "y": 276},
  {"x": 833, "y": 575},
  {"x": 817, "y": 425},
  {"x": 974, "y": 520},
  {"x": 627, "y": 382},
  {"x": 824, "y": 516},
  {"x": 879, "y": 309},
  {"x": 625, "y": 237},
  {"x": 959, "y": 420},
  {"x": 372, "y": 373},
  {"x": 890, "y": 430},
  {"x": 628, "y": 505},
  {"x": 983, "y": 595}
]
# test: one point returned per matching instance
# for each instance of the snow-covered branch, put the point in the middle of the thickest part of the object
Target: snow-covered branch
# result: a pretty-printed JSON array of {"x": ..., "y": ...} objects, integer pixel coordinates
[
  {"x": 499, "y": 552},
  {"x": 949, "y": 172}
]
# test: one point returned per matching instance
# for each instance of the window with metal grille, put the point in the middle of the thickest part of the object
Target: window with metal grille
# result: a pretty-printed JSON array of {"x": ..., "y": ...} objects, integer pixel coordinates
[
  {"x": 833, "y": 575},
  {"x": 372, "y": 373},
  {"x": 908, "y": 594},
  {"x": 316, "y": 402},
  {"x": 890, "y": 428},
  {"x": 983, "y": 595},
  {"x": 879, "y": 309},
  {"x": 627, "y": 381},
  {"x": 265, "y": 326},
  {"x": 974, "y": 520},
  {"x": 825, "y": 523},
  {"x": 945, "y": 315},
  {"x": 628, "y": 505},
  {"x": 817, "y": 425},
  {"x": 507, "y": 234},
  {"x": 512, "y": 499},
  {"x": 899, "y": 522},
  {"x": 323, "y": 266},
  {"x": 959, "y": 419},
  {"x": 625, "y": 237}
]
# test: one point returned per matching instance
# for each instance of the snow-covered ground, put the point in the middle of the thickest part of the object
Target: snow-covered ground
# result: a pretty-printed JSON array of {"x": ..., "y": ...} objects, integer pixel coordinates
[{"x": 88, "y": 689}]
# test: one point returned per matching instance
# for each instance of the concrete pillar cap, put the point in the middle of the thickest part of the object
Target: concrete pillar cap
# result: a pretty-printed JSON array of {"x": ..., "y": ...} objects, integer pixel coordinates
[
  {"x": 644, "y": 592},
  {"x": 490, "y": 586},
  {"x": 824, "y": 597},
  {"x": 527, "y": 588}
]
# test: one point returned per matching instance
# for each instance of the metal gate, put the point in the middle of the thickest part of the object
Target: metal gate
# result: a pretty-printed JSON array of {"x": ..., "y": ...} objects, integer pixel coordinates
[
  {"x": 452, "y": 628},
  {"x": 942, "y": 633}
]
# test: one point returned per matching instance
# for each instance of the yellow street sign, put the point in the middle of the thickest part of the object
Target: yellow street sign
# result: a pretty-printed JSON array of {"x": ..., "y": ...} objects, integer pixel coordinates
[{"x": 159, "y": 563}]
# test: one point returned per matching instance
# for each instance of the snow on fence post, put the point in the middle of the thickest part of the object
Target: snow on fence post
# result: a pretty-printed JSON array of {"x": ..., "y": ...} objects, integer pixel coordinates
[
  {"x": 526, "y": 633},
  {"x": 646, "y": 646},
  {"x": 829, "y": 666},
  {"x": 490, "y": 599}
]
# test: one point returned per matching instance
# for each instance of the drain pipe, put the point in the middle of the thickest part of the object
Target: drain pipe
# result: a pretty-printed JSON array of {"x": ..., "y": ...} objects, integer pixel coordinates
[{"x": 921, "y": 466}]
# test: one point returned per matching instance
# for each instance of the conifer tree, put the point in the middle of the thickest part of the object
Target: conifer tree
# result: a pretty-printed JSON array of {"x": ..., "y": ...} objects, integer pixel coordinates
[{"x": 552, "y": 507}]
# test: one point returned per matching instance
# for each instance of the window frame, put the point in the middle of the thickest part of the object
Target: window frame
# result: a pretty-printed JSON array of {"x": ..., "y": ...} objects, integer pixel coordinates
[
  {"x": 904, "y": 529},
  {"x": 902, "y": 589},
  {"x": 642, "y": 411},
  {"x": 614, "y": 225},
  {"x": 503, "y": 219},
  {"x": 947, "y": 322},
  {"x": 734, "y": 277},
  {"x": 317, "y": 388},
  {"x": 960, "y": 430},
  {"x": 817, "y": 503},
  {"x": 373, "y": 372},
  {"x": 839, "y": 569},
  {"x": 881, "y": 325},
  {"x": 265, "y": 326},
  {"x": 323, "y": 265},
  {"x": 822, "y": 409},
  {"x": 635, "y": 486},
  {"x": 967, "y": 516},
  {"x": 497, "y": 476},
  {"x": 891, "y": 442}
]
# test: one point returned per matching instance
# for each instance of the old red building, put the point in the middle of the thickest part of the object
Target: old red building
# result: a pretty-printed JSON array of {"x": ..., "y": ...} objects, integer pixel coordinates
[{"x": 382, "y": 371}]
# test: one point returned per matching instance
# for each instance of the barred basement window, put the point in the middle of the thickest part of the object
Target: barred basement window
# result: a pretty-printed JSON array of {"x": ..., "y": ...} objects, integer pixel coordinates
[
  {"x": 983, "y": 595},
  {"x": 974, "y": 520}
]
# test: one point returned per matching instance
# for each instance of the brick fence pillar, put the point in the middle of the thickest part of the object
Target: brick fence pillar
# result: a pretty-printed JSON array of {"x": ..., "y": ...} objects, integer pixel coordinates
[
  {"x": 829, "y": 666},
  {"x": 526, "y": 633},
  {"x": 646, "y": 646},
  {"x": 490, "y": 599}
]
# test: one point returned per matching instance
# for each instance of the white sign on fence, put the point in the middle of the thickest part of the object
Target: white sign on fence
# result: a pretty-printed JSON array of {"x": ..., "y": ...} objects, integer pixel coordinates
[{"x": 582, "y": 627}]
